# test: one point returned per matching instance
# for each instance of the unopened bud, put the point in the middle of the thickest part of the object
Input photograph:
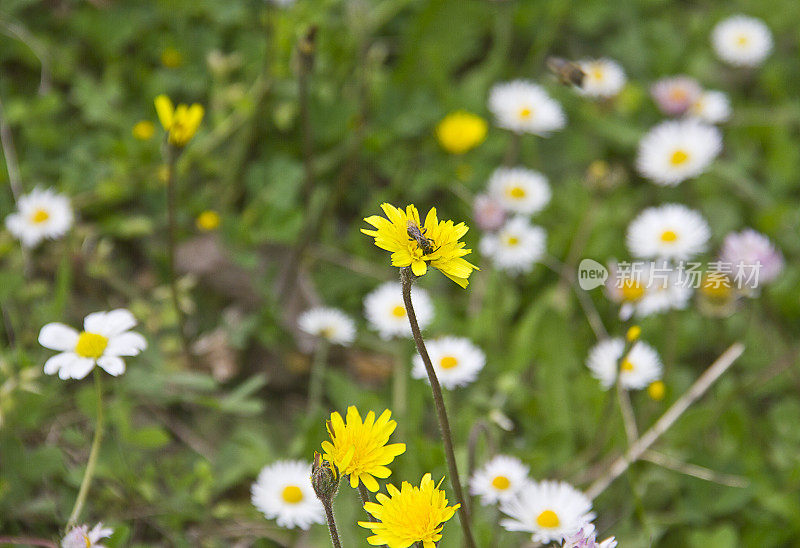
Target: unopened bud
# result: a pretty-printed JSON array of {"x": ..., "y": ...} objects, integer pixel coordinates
[{"x": 324, "y": 479}]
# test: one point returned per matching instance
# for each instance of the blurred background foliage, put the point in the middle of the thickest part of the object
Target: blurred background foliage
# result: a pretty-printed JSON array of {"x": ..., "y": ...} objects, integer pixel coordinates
[{"x": 183, "y": 445}]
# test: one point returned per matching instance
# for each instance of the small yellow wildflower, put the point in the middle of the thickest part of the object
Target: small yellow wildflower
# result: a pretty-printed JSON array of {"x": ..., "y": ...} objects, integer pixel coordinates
[
  {"x": 410, "y": 514},
  {"x": 180, "y": 122},
  {"x": 144, "y": 130},
  {"x": 171, "y": 58},
  {"x": 208, "y": 220},
  {"x": 461, "y": 131},
  {"x": 435, "y": 243},
  {"x": 657, "y": 390},
  {"x": 634, "y": 332},
  {"x": 359, "y": 449}
]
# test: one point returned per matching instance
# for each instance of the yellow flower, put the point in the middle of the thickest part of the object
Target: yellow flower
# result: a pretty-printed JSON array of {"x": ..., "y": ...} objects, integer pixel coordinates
[
  {"x": 144, "y": 130},
  {"x": 461, "y": 131},
  {"x": 359, "y": 449},
  {"x": 656, "y": 390},
  {"x": 208, "y": 220},
  {"x": 435, "y": 243},
  {"x": 180, "y": 122},
  {"x": 412, "y": 514},
  {"x": 171, "y": 58}
]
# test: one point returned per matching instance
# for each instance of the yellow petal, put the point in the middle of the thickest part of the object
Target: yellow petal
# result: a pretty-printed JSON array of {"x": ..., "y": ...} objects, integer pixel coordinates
[
  {"x": 165, "y": 110},
  {"x": 419, "y": 268}
]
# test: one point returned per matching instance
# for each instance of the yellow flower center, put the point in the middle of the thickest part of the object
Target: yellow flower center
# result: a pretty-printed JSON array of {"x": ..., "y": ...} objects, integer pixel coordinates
[
  {"x": 679, "y": 157},
  {"x": 627, "y": 365},
  {"x": 399, "y": 311},
  {"x": 742, "y": 40},
  {"x": 90, "y": 345},
  {"x": 631, "y": 290},
  {"x": 448, "y": 362},
  {"x": 39, "y": 216},
  {"x": 525, "y": 113},
  {"x": 208, "y": 220},
  {"x": 327, "y": 332},
  {"x": 88, "y": 541},
  {"x": 548, "y": 519},
  {"x": 717, "y": 285},
  {"x": 511, "y": 241},
  {"x": 516, "y": 192},
  {"x": 292, "y": 494},
  {"x": 669, "y": 236},
  {"x": 678, "y": 95},
  {"x": 598, "y": 73},
  {"x": 501, "y": 483}
]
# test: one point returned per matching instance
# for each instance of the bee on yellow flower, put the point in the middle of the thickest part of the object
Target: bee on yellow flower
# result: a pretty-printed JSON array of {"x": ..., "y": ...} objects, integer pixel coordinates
[
  {"x": 208, "y": 220},
  {"x": 415, "y": 244},
  {"x": 410, "y": 514},
  {"x": 144, "y": 130},
  {"x": 359, "y": 449},
  {"x": 180, "y": 122},
  {"x": 461, "y": 131}
]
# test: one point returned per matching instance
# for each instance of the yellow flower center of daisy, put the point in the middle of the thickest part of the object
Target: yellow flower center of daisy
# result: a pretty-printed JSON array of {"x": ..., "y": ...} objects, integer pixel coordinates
[
  {"x": 501, "y": 483},
  {"x": 88, "y": 541},
  {"x": 516, "y": 192},
  {"x": 548, "y": 519},
  {"x": 716, "y": 286},
  {"x": 598, "y": 73},
  {"x": 511, "y": 241},
  {"x": 678, "y": 95},
  {"x": 399, "y": 311},
  {"x": 292, "y": 494},
  {"x": 39, "y": 216},
  {"x": 327, "y": 332},
  {"x": 631, "y": 290},
  {"x": 669, "y": 236},
  {"x": 679, "y": 157},
  {"x": 448, "y": 362},
  {"x": 627, "y": 365},
  {"x": 742, "y": 40},
  {"x": 90, "y": 345},
  {"x": 525, "y": 112}
]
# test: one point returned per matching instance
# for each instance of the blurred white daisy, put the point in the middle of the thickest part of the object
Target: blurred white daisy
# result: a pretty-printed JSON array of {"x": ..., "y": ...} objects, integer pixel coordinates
[
  {"x": 674, "y": 95},
  {"x": 550, "y": 510},
  {"x": 283, "y": 492},
  {"x": 640, "y": 367},
  {"x": 456, "y": 361},
  {"x": 519, "y": 190},
  {"x": 754, "y": 252},
  {"x": 587, "y": 538},
  {"x": 500, "y": 478},
  {"x": 604, "y": 77},
  {"x": 742, "y": 41},
  {"x": 670, "y": 231},
  {"x": 83, "y": 537},
  {"x": 40, "y": 215},
  {"x": 488, "y": 212},
  {"x": 674, "y": 151},
  {"x": 524, "y": 107},
  {"x": 328, "y": 323},
  {"x": 648, "y": 289},
  {"x": 711, "y": 107},
  {"x": 386, "y": 312},
  {"x": 516, "y": 246},
  {"x": 105, "y": 338}
]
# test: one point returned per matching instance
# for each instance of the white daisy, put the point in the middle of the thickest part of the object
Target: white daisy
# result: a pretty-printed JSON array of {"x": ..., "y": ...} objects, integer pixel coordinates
[
  {"x": 674, "y": 95},
  {"x": 604, "y": 77},
  {"x": 755, "y": 253},
  {"x": 662, "y": 294},
  {"x": 524, "y": 107},
  {"x": 648, "y": 288},
  {"x": 283, "y": 492},
  {"x": 550, "y": 510},
  {"x": 328, "y": 323},
  {"x": 456, "y": 361},
  {"x": 742, "y": 41},
  {"x": 386, "y": 312},
  {"x": 106, "y": 336},
  {"x": 82, "y": 537},
  {"x": 587, "y": 538},
  {"x": 515, "y": 247},
  {"x": 711, "y": 107},
  {"x": 670, "y": 231},
  {"x": 519, "y": 190},
  {"x": 499, "y": 479},
  {"x": 639, "y": 368},
  {"x": 677, "y": 150},
  {"x": 41, "y": 214}
]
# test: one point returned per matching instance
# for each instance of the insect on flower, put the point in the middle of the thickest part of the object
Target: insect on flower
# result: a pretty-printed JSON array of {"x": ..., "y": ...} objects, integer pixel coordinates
[
  {"x": 418, "y": 235},
  {"x": 568, "y": 72}
]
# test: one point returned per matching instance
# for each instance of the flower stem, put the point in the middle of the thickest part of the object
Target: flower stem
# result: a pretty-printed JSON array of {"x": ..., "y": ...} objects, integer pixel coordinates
[
  {"x": 407, "y": 278},
  {"x": 400, "y": 389},
  {"x": 362, "y": 491},
  {"x": 328, "y": 505},
  {"x": 317, "y": 381},
  {"x": 95, "y": 450}
]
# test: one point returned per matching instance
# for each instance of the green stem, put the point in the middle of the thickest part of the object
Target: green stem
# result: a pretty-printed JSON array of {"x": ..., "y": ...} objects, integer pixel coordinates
[
  {"x": 400, "y": 390},
  {"x": 95, "y": 450},
  {"x": 332, "y": 524},
  {"x": 407, "y": 279},
  {"x": 317, "y": 381}
]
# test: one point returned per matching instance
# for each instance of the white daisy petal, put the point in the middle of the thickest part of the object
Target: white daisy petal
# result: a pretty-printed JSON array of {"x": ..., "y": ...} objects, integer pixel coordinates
[
  {"x": 456, "y": 360},
  {"x": 604, "y": 78},
  {"x": 41, "y": 214},
  {"x": 386, "y": 312},
  {"x": 56, "y": 363},
  {"x": 711, "y": 107},
  {"x": 519, "y": 190},
  {"x": 742, "y": 41},
  {"x": 77, "y": 368},
  {"x": 671, "y": 231},
  {"x": 57, "y": 336},
  {"x": 329, "y": 323},
  {"x": 677, "y": 150},
  {"x": 283, "y": 492},
  {"x": 516, "y": 247},
  {"x": 500, "y": 478},
  {"x": 113, "y": 365},
  {"x": 641, "y": 366},
  {"x": 126, "y": 344},
  {"x": 524, "y": 107}
]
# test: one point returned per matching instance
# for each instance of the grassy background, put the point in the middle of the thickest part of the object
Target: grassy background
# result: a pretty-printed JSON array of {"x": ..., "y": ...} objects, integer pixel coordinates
[{"x": 183, "y": 446}]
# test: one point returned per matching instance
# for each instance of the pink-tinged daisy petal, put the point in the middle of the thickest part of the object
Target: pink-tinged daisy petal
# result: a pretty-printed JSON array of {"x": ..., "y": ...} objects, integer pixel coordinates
[{"x": 57, "y": 336}]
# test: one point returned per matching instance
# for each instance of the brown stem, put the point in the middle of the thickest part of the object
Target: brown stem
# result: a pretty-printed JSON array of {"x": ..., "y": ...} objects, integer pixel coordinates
[
  {"x": 363, "y": 493},
  {"x": 407, "y": 278},
  {"x": 332, "y": 524}
]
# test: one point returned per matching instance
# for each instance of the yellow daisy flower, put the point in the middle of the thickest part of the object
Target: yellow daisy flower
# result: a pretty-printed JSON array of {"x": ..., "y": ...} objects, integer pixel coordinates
[
  {"x": 461, "y": 131},
  {"x": 359, "y": 449},
  {"x": 411, "y": 514},
  {"x": 180, "y": 122},
  {"x": 435, "y": 243},
  {"x": 208, "y": 220}
]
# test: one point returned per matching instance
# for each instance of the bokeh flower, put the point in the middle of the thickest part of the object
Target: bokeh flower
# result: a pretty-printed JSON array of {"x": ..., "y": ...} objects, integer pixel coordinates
[
  {"x": 105, "y": 338},
  {"x": 461, "y": 131},
  {"x": 408, "y": 515},
  {"x": 670, "y": 231},
  {"x": 711, "y": 107},
  {"x": 412, "y": 243},
  {"x": 524, "y": 107},
  {"x": 143, "y": 130},
  {"x": 330, "y": 324},
  {"x": 386, "y": 312},
  {"x": 519, "y": 190},
  {"x": 742, "y": 41},
  {"x": 677, "y": 150},
  {"x": 657, "y": 390},
  {"x": 171, "y": 58},
  {"x": 752, "y": 250},
  {"x": 587, "y": 538},
  {"x": 359, "y": 448},
  {"x": 83, "y": 537},
  {"x": 516, "y": 246},
  {"x": 640, "y": 367},
  {"x": 456, "y": 360},
  {"x": 603, "y": 78},
  {"x": 675, "y": 94},
  {"x": 40, "y": 215},
  {"x": 283, "y": 492},
  {"x": 499, "y": 479},
  {"x": 488, "y": 212},
  {"x": 208, "y": 220},
  {"x": 181, "y": 122}
]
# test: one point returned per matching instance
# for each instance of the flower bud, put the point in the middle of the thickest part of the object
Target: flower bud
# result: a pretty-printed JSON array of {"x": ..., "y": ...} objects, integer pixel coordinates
[{"x": 324, "y": 479}]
